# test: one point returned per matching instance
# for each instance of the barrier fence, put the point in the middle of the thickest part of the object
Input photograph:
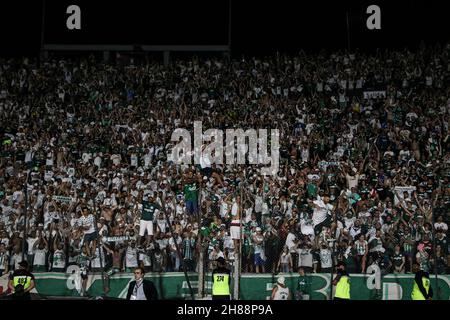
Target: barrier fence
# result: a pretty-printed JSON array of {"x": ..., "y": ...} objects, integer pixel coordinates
[{"x": 252, "y": 286}]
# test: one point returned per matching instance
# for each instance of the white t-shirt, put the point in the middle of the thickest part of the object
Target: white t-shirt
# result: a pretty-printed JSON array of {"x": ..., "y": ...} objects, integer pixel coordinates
[
  {"x": 349, "y": 222},
  {"x": 290, "y": 241},
  {"x": 86, "y": 157},
  {"x": 214, "y": 255},
  {"x": 147, "y": 160},
  {"x": 305, "y": 154},
  {"x": 31, "y": 242},
  {"x": 98, "y": 161},
  {"x": 49, "y": 160},
  {"x": 131, "y": 258},
  {"x": 265, "y": 209},
  {"x": 325, "y": 258},
  {"x": 162, "y": 224},
  {"x": 258, "y": 203},
  {"x": 95, "y": 263},
  {"x": 281, "y": 293},
  {"x": 258, "y": 247},
  {"x": 352, "y": 181},
  {"x": 86, "y": 221},
  {"x": 320, "y": 213},
  {"x": 205, "y": 161},
  {"x": 305, "y": 258},
  {"x": 134, "y": 160},
  {"x": 228, "y": 242},
  {"x": 115, "y": 158},
  {"x": 4, "y": 259},
  {"x": 39, "y": 257},
  {"x": 172, "y": 243},
  {"x": 306, "y": 227},
  {"x": 234, "y": 209},
  {"x": 28, "y": 156}
]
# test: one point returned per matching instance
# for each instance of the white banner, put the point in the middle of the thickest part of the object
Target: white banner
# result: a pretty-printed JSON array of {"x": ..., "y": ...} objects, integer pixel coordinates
[
  {"x": 118, "y": 239},
  {"x": 63, "y": 199},
  {"x": 398, "y": 190},
  {"x": 374, "y": 94}
]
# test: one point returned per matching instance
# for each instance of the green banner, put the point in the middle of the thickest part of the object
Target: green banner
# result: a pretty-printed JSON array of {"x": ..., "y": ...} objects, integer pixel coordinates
[{"x": 252, "y": 286}]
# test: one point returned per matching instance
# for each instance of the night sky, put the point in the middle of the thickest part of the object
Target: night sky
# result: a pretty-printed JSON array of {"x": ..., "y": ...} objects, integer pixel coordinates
[{"x": 257, "y": 26}]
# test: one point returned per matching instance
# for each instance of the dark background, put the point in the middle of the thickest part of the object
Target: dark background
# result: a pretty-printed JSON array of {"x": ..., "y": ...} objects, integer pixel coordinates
[{"x": 256, "y": 26}]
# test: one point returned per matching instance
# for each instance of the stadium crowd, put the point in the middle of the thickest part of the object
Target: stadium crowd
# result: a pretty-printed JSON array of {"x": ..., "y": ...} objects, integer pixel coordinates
[{"x": 364, "y": 163}]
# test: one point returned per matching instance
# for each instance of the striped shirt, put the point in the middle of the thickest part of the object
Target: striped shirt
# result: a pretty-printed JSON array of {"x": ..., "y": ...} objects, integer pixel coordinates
[
  {"x": 361, "y": 247},
  {"x": 188, "y": 248},
  {"x": 4, "y": 260}
]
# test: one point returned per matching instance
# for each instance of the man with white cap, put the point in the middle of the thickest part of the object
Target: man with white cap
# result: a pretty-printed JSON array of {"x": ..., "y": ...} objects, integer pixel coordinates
[{"x": 280, "y": 291}]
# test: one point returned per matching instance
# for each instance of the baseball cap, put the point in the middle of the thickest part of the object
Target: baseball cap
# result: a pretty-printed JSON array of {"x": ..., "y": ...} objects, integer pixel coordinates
[
  {"x": 281, "y": 280},
  {"x": 23, "y": 264}
]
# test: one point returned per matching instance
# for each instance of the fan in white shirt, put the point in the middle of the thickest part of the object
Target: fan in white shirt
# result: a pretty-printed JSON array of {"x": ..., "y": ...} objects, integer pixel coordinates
[{"x": 322, "y": 209}]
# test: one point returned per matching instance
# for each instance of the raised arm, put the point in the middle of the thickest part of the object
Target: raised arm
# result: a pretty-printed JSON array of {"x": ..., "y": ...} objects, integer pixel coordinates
[{"x": 418, "y": 203}]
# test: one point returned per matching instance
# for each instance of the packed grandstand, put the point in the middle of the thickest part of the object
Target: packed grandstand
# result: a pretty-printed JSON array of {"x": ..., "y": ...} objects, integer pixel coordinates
[{"x": 363, "y": 177}]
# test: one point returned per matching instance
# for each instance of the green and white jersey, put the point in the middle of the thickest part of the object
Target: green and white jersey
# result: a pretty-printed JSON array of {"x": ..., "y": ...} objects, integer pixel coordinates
[
  {"x": 148, "y": 210},
  {"x": 212, "y": 243},
  {"x": 407, "y": 246},
  {"x": 83, "y": 262},
  {"x": 190, "y": 191},
  {"x": 303, "y": 284},
  {"x": 59, "y": 259},
  {"x": 361, "y": 247}
]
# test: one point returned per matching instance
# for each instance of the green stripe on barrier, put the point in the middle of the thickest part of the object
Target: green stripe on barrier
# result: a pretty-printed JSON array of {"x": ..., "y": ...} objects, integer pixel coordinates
[{"x": 253, "y": 287}]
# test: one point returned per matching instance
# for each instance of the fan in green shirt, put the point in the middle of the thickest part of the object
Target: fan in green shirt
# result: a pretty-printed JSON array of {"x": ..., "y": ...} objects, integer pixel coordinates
[
  {"x": 190, "y": 191},
  {"x": 312, "y": 190},
  {"x": 247, "y": 251},
  {"x": 303, "y": 285},
  {"x": 205, "y": 231},
  {"x": 148, "y": 209}
]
